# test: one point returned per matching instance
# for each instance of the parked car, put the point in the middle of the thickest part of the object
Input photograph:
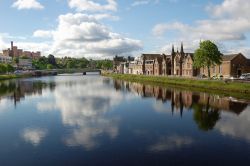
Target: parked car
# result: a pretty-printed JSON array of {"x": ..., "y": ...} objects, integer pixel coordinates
[{"x": 245, "y": 76}]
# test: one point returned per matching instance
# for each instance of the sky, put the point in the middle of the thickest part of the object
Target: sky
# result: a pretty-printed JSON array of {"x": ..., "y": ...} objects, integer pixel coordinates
[{"x": 101, "y": 29}]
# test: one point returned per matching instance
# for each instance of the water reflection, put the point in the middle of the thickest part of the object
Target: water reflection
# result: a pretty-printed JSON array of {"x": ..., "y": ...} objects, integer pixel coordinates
[
  {"x": 33, "y": 135},
  {"x": 206, "y": 107},
  {"x": 18, "y": 89},
  {"x": 170, "y": 143},
  {"x": 83, "y": 120}
]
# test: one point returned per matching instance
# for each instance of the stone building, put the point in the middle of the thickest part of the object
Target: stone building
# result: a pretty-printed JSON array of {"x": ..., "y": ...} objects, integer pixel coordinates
[
  {"x": 183, "y": 63},
  {"x": 13, "y": 51},
  {"x": 232, "y": 66}
]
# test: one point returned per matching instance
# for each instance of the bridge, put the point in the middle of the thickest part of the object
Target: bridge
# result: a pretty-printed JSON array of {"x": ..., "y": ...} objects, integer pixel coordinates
[{"x": 62, "y": 71}]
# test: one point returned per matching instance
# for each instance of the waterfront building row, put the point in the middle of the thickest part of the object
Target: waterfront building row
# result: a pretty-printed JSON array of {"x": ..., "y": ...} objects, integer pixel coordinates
[{"x": 180, "y": 63}]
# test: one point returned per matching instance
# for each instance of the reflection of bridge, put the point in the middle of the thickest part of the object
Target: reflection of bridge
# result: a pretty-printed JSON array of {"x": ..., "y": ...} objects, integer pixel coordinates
[{"x": 61, "y": 71}]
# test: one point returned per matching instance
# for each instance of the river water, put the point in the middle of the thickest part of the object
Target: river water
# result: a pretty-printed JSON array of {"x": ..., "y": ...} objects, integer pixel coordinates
[{"x": 94, "y": 120}]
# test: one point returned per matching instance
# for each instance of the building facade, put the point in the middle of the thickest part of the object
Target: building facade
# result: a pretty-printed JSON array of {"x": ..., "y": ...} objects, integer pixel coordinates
[
  {"x": 231, "y": 66},
  {"x": 180, "y": 63}
]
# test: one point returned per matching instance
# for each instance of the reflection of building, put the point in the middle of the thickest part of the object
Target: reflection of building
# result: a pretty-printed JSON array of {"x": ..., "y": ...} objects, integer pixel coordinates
[
  {"x": 17, "y": 90},
  {"x": 180, "y": 99}
]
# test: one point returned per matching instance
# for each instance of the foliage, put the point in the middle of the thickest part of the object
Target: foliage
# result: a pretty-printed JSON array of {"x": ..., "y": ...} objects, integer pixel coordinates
[
  {"x": 3, "y": 68},
  {"x": 207, "y": 55},
  {"x": 104, "y": 64},
  {"x": 49, "y": 66},
  {"x": 16, "y": 60},
  {"x": 10, "y": 68}
]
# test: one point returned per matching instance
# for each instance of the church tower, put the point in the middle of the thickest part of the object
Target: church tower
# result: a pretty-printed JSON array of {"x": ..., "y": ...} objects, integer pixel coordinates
[
  {"x": 172, "y": 60},
  {"x": 182, "y": 54}
]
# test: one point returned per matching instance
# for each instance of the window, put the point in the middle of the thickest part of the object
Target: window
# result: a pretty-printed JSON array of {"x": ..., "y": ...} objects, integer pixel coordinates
[
  {"x": 214, "y": 69},
  {"x": 220, "y": 69}
]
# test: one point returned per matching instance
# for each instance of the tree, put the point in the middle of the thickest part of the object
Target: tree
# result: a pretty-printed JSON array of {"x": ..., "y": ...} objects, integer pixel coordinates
[
  {"x": 10, "y": 68},
  {"x": 70, "y": 64},
  {"x": 3, "y": 69},
  {"x": 49, "y": 66},
  {"x": 207, "y": 55},
  {"x": 52, "y": 60},
  {"x": 16, "y": 60}
]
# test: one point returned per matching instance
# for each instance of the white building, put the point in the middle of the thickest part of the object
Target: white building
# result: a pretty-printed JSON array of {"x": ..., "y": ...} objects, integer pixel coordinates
[{"x": 5, "y": 59}]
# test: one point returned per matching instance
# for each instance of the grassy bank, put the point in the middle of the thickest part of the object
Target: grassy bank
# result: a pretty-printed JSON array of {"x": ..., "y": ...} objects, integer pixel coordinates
[
  {"x": 13, "y": 76},
  {"x": 230, "y": 88}
]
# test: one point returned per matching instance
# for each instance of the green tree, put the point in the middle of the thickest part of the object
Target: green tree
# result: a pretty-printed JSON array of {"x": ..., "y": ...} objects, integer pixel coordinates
[
  {"x": 9, "y": 68},
  {"x": 3, "y": 68},
  {"x": 207, "y": 55},
  {"x": 70, "y": 64},
  {"x": 49, "y": 66},
  {"x": 16, "y": 60}
]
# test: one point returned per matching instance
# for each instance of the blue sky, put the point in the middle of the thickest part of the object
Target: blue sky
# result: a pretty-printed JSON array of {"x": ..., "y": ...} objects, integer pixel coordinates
[{"x": 104, "y": 28}]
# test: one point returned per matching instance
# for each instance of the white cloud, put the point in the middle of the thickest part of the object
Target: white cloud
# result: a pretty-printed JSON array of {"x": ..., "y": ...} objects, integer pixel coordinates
[
  {"x": 43, "y": 34},
  {"x": 91, "y": 5},
  {"x": 27, "y": 4},
  {"x": 230, "y": 22},
  {"x": 34, "y": 135},
  {"x": 231, "y": 8},
  {"x": 83, "y": 35},
  {"x": 219, "y": 30},
  {"x": 137, "y": 3}
]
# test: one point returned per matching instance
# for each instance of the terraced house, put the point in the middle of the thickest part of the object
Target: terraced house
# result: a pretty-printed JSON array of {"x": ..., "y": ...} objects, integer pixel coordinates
[{"x": 180, "y": 63}]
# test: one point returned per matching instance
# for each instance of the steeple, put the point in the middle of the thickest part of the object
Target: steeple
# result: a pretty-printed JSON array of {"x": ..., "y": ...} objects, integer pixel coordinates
[
  {"x": 172, "y": 50},
  {"x": 182, "y": 50}
]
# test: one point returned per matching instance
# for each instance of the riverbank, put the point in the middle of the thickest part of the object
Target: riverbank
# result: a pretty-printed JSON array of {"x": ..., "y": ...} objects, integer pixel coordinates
[
  {"x": 227, "y": 88},
  {"x": 14, "y": 76}
]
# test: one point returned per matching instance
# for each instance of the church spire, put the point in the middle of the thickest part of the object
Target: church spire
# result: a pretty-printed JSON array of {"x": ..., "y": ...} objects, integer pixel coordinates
[
  {"x": 182, "y": 50},
  {"x": 172, "y": 50}
]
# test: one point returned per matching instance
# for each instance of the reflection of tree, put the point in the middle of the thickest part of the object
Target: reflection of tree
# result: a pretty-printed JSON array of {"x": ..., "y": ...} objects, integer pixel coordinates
[
  {"x": 205, "y": 118},
  {"x": 17, "y": 89}
]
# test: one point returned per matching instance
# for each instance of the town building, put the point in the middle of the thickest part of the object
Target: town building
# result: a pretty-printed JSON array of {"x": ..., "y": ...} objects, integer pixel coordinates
[
  {"x": 181, "y": 64},
  {"x": 231, "y": 66},
  {"x": 5, "y": 59},
  {"x": 14, "y": 51}
]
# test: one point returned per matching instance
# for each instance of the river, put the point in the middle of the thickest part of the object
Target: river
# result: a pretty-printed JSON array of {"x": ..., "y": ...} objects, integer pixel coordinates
[{"x": 94, "y": 120}]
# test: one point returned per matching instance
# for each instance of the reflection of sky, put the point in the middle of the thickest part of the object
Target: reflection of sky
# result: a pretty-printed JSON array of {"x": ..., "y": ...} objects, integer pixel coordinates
[
  {"x": 83, "y": 106},
  {"x": 33, "y": 135},
  {"x": 235, "y": 126},
  {"x": 87, "y": 117},
  {"x": 170, "y": 143}
]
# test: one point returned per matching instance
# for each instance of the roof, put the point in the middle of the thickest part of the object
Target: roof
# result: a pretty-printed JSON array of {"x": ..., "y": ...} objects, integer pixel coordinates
[
  {"x": 150, "y": 56},
  {"x": 229, "y": 57}
]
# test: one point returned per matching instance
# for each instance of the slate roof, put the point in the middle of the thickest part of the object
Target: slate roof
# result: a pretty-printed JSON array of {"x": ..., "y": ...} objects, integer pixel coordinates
[{"x": 229, "y": 57}]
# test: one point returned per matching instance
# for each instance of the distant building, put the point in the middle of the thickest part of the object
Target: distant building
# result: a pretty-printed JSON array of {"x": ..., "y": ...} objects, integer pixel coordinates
[
  {"x": 5, "y": 59},
  {"x": 13, "y": 51},
  {"x": 25, "y": 64}
]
